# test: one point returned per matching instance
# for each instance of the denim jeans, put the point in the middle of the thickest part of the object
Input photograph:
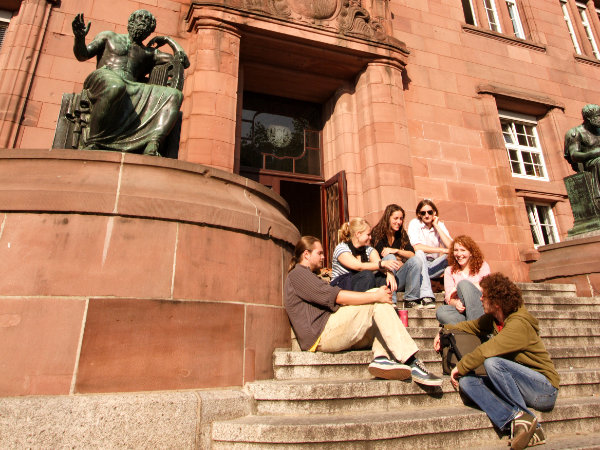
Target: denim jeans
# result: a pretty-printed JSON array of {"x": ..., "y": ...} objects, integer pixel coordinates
[
  {"x": 430, "y": 269},
  {"x": 469, "y": 296},
  {"x": 508, "y": 388},
  {"x": 408, "y": 278}
]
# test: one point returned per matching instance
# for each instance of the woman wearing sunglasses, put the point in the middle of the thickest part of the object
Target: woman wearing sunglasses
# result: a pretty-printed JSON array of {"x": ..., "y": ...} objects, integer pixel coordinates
[
  {"x": 431, "y": 242},
  {"x": 465, "y": 270}
]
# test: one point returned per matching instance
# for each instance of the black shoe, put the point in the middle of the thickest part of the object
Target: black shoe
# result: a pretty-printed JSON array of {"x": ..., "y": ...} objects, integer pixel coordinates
[
  {"x": 414, "y": 304},
  {"x": 421, "y": 375}
]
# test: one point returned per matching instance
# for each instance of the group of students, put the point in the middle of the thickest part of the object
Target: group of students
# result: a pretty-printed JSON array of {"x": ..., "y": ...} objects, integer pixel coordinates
[
  {"x": 407, "y": 261},
  {"x": 357, "y": 310}
]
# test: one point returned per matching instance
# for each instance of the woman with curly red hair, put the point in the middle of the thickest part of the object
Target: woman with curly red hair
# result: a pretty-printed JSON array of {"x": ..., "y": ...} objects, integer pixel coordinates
[{"x": 465, "y": 270}]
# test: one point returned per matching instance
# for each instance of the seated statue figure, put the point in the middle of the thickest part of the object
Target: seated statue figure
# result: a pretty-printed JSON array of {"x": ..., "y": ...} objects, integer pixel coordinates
[
  {"x": 582, "y": 145},
  {"x": 126, "y": 112}
]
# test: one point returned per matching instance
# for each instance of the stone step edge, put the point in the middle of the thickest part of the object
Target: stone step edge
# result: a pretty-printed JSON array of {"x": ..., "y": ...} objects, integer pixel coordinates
[
  {"x": 321, "y": 389},
  {"x": 377, "y": 426}
]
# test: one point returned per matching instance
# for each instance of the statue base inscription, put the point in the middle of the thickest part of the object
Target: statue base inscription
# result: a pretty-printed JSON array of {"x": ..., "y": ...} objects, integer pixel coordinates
[{"x": 584, "y": 203}]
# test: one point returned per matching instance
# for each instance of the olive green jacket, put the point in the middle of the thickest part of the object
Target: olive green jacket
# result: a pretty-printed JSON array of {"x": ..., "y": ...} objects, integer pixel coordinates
[{"x": 519, "y": 340}]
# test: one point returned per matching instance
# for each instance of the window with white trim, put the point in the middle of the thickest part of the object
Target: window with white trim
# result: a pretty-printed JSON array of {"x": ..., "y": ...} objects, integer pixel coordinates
[
  {"x": 515, "y": 19},
  {"x": 5, "y": 17},
  {"x": 588, "y": 28},
  {"x": 470, "y": 16},
  {"x": 522, "y": 145},
  {"x": 569, "y": 22},
  {"x": 492, "y": 15},
  {"x": 541, "y": 223}
]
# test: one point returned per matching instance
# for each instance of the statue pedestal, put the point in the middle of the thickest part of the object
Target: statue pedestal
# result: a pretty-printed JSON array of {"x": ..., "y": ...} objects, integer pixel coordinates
[
  {"x": 585, "y": 207},
  {"x": 576, "y": 260},
  {"x": 134, "y": 273}
]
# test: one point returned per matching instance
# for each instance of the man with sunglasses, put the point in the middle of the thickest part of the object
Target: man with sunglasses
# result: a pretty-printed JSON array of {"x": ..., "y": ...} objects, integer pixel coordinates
[{"x": 431, "y": 241}]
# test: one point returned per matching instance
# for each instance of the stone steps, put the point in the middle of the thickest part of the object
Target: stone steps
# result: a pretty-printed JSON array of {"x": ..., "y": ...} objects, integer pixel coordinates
[
  {"x": 341, "y": 396},
  {"x": 445, "y": 426},
  {"x": 426, "y": 318},
  {"x": 290, "y": 365},
  {"x": 330, "y": 401}
]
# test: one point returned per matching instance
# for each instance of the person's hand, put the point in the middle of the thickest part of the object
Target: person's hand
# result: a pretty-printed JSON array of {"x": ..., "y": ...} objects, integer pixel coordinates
[
  {"x": 391, "y": 282},
  {"x": 386, "y": 251},
  {"x": 435, "y": 220},
  {"x": 391, "y": 264},
  {"x": 454, "y": 376},
  {"x": 383, "y": 295},
  {"x": 157, "y": 41},
  {"x": 79, "y": 27},
  {"x": 459, "y": 306},
  {"x": 436, "y": 343}
]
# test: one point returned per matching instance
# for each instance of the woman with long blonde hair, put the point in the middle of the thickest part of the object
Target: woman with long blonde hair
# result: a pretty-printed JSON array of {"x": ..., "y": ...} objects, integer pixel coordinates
[{"x": 355, "y": 263}]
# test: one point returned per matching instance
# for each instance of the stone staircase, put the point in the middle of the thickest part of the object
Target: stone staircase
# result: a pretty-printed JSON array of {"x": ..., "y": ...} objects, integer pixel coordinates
[{"x": 329, "y": 401}]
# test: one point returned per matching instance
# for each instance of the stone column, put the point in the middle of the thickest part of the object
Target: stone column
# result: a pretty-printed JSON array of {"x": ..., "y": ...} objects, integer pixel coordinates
[
  {"x": 18, "y": 61},
  {"x": 340, "y": 145},
  {"x": 211, "y": 93},
  {"x": 384, "y": 155}
]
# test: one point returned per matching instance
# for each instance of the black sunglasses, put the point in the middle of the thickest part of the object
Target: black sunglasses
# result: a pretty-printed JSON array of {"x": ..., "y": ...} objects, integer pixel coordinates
[{"x": 431, "y": 212}]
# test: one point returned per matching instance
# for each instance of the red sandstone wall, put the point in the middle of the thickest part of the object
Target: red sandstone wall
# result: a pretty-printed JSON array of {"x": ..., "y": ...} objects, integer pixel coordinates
[{"x": 458, "y": 155}]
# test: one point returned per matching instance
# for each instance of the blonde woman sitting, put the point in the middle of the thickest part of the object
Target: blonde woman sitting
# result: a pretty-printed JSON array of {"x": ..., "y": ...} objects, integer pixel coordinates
[{"x": 356, "y": 266}]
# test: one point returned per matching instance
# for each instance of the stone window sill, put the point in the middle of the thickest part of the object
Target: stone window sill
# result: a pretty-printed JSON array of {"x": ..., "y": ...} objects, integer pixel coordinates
[
  {"x": 503, "y": 37},
  {"x": 587, "y": 60}
]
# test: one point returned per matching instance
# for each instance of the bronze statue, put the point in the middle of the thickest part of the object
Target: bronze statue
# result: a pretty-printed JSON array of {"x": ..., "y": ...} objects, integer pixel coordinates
[
  {"x": 582, "y": 145},
  {"x": 127, "y": 112}
]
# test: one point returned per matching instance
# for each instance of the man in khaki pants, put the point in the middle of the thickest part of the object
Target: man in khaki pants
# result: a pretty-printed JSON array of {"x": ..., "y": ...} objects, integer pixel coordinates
[{"x": 328, "y": 319}]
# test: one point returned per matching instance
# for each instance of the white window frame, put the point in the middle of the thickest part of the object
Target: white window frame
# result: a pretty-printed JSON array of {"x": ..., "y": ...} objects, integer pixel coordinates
[
  {"x": 569, "y": 22},
  {"x": 530, "y": 121},
  {"x": 472, "y": 8},
  {"x": 587, "y": 26},
  {"x": 5, "y": 17},
  {"x": 537, "y": 227},
  {"x": 515, "y": 18},
  {"x": 492, "y": 15}
]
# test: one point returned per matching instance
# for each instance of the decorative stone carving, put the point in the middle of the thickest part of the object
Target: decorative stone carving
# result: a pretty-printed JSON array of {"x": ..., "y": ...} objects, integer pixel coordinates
[
  {"x": 356, "y": 20},
  {"x": 314, "y": 9}
]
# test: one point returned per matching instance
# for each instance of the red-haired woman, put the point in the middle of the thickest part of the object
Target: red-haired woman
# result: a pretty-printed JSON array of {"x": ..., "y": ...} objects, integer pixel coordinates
[{"x": 465, "y": 270}]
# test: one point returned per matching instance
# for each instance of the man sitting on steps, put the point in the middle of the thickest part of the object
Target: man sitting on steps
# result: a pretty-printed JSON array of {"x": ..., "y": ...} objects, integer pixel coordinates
[
  {"x": 328, "y": 319},
  {"x": 519, "y": 370}
]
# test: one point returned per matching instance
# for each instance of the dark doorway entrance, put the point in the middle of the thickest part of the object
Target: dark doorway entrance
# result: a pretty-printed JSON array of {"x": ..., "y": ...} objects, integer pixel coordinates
[{"x": 305, "y": 206}]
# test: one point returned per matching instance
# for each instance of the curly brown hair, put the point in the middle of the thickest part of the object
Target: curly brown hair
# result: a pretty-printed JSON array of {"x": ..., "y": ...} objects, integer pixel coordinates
[
  {"x": 500, "y": 291},
  {"x": 476, "y": 260}
]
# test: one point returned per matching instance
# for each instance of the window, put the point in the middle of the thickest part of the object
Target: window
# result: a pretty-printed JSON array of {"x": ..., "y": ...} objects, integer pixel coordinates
[
  {"x": 5, "y": 17},
  {"x": 513, "y": 13},
  {"x": 541, "y": 223},
  {"x": 281, "y": 135},
  {"x": 492, "y": 15},
  {"x": 567, "y": 17},
  {"x": 469, "y": 12},
  {"x": 588, "y": 28},
  {"x": 522, "y": 144}
]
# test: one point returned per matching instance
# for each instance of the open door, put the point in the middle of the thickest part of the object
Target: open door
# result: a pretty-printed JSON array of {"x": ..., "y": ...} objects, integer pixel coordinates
[{"x": 334, "y": 211}]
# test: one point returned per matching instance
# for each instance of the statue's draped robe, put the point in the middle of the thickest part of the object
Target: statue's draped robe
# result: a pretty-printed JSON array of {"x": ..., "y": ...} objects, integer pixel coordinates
[{"x": 141, "y": 114}]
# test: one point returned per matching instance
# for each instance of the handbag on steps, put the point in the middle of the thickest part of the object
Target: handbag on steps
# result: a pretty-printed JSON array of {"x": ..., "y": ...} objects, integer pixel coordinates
[{"x": 454, "y": 345}]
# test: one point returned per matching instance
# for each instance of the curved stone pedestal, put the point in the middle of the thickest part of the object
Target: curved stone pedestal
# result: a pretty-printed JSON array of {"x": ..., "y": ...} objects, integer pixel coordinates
[
  {"x": 576, "y": 260},
  {"x": 128, "y": 273}
]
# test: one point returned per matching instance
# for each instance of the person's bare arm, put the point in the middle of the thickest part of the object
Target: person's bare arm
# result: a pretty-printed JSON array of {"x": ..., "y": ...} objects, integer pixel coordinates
[{"x": 380, "y": 295}]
